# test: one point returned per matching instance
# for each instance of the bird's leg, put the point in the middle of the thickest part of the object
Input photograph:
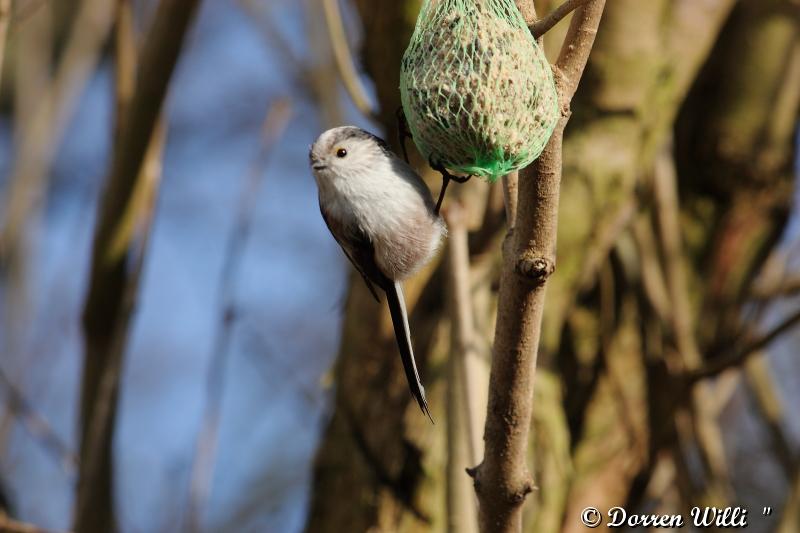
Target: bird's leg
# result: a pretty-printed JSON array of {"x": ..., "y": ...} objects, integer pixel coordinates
[
  {"x": 445, "y": 182},
  {"x": 402, "y": 131},
  {"x": 446, "y": 178}
]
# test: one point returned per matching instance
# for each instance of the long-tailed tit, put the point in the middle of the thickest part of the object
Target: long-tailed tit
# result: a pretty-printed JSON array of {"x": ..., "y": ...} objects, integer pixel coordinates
[{"x": 382, "y": 215}]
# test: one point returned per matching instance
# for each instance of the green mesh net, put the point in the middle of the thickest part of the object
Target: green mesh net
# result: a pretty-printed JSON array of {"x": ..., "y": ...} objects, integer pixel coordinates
[{"x": 476, "y": 88}]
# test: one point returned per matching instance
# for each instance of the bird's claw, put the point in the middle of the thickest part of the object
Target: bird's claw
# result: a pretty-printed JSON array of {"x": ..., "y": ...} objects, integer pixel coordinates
[{"x": 446, "y": 178}]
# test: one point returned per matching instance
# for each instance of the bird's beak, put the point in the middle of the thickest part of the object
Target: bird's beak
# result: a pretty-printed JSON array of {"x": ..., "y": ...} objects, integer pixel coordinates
[{"x": 313, "y": 160}]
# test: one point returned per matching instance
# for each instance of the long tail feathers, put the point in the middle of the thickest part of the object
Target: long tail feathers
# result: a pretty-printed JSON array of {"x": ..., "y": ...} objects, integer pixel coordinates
[{"x": 397, "y": 308}]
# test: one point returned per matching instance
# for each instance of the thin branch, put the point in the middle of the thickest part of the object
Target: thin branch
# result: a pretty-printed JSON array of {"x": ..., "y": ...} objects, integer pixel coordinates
[
  {"x": 511, "y": 196},
  {"x": 205, "y": 449},
  {"x": 8, "y": 525},
  {"x": 542, "y": 26},
  {"x": 654, "y": 286},
  {"x": 609, "y": 330},
  {"x": 575, "y": 51},
  {"x": 783, "y": 289},
  {"x": 494, "y": 218},
  {"x": 669, "y": 236},
  {"x": 273, "y": 368},
  {"x": 124, "y": 219},
  {"x": 766, "y": 394},
  {"x": 344, "y": 59},
  {"x": 266, "y": 23},
  {"x": 38, "y": 427},
  {"x": 502, "y": 480},
  {"x": 462, "y": 426},
  {"x": 5, "y": 16},
  {"x": 720, "y": 364},
  {"x": 97, "y": 439},
  {"x": 604, "y": 241},
  {"x": 41, "y": 137},
  {"x": 667, "y": 209},
  {"x": 29, "y": 83},
  {"x": 28, "y": 9},
  {"x": 790, "y": 514}
]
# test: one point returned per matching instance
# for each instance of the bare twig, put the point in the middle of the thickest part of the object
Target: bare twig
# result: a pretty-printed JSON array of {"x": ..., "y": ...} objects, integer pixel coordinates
[
  {"x": 42, "y": 135},
  {"x": 502, "y": 480},
  {"x": 766, "y": 394},
  {"x": 511, "y": 196},
  {"x": 545, "y": 24},
  {"x": 7, "y": 525},
  {"x": 344, "y": 59},
  {"x": 608, "y": 333},
  {"x": 125, "y": 212},
  {"x": 5, "y": 16},
  {"x": 28, "y": 9},
  {"x": 720, "y": 364},
  {"x": 604, "y": 241},
  {"x": 783, "y": 289},
  {"x": 790, "y": 514},
  {"x": 667, "y": 210},
  {"x": 266, "y": 23},
  {"x": 38, "y": 427},
  {"x": 272, "y": 367},
  {"x": 652, "y": 277},
  {"x": 486, "y": 236},
  {"x": 462, "y": 427},
  {"x": 125, "y": 61},
  {"x": 30, "y": 80},
  {"x": 205, "y": 450}
]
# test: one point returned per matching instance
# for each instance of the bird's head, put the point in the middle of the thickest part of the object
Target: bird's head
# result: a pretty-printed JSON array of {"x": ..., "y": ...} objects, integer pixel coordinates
[{"x": 346, "y": 151}]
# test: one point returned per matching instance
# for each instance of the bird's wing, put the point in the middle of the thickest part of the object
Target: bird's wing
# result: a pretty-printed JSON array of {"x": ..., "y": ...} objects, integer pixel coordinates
[{"x": 359, "y": 250}]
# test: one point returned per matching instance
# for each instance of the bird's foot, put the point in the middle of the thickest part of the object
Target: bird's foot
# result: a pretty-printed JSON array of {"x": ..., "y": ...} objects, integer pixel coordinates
[{"x": 446, "y": 179}]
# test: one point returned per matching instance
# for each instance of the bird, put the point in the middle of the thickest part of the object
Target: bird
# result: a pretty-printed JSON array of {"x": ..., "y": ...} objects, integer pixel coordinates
[{"x": 383, "y": 217}]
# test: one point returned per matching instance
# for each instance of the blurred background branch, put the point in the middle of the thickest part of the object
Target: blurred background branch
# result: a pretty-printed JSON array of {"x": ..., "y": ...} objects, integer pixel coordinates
[
  {"x": 44, "y": 126},
  {"x": 202, "y": 473},
  {"x": 344, "y": 59},
  {"x": 124, "y": 223}
]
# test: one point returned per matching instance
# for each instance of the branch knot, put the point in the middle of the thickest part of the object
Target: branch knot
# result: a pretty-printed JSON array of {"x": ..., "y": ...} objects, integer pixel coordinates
[
  {"x": 519, "y": 496},
  {"x": 534, "y": 269}
]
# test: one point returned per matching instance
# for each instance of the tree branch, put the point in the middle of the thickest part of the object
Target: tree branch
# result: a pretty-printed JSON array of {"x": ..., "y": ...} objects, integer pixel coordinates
[
  {"x": 720, "y": 364},
  {"x": 511, "y": 196},
  {"x": 40, "y": 139},
  {"x": 667, "y": 209},
  {"x": 502, "y": 480},
  {"x": 202, "y": 472},
  {"x": 783, "y": 289},
  {"x": 344, "y": 59},
  {"x": 542, "y": 26},
  {"x": 38, "y": 427},
  {"x": 463, "y": 435},
  {"x": 124, "y": 220},
  {"x": 7, "y": 525},
  {"x": 5, "y": 17}
]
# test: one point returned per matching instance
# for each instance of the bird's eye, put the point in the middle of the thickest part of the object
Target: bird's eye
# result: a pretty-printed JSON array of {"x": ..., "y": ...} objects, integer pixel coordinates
[{"x": 341, "y": 152}]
